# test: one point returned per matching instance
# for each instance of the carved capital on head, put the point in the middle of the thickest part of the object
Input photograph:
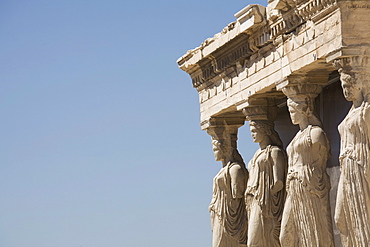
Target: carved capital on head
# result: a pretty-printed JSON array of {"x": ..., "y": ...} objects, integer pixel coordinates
[
  {"x": 353, "y": 64},
  {"x": 355, "y": 69},
  {"x": 223, "y": 128},
  {"x": 302, "y": 90},
  {"x": 224, "y": 133},
  {"x": 296, "y": 87},
  {"x": 236, "y": 121},
  {"x": 261, "y": 109},
  {"x": 316, "y": 80}
]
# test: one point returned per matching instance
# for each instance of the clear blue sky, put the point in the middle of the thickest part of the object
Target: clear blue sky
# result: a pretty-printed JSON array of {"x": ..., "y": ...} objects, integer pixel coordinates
[{"x": 100, "y": 143}]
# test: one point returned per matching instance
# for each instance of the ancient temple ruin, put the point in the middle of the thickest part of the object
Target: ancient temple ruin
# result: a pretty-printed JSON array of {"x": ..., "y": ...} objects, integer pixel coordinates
[{"x": 285, "y": 68}]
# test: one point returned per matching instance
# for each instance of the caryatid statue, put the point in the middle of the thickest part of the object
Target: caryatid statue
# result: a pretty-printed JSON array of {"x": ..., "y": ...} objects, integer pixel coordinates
[
  {"x": 306, "y": 218},
  {"x": 227, "y": 208},
  {"x": 352, "y": 212},
  {"x": 265, "y": 192}
]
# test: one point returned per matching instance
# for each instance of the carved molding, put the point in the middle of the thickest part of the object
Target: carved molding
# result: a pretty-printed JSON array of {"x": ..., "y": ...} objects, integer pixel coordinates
[
  {"x": 353, "y": 64},
  {"x": 260, "y": 113},
  {"x": 261, "y": 109},
  {"x": 217, "y": 63},
  {"x": 300, "y": 85},
  {"x": 224, "y": 133},
  {"x": 209, "y": 60},
  {"x": 224, "y": 129},
  {"x": 237, "y": 120},
  {"x": 301, "y": 13},
  {"x": 302, "y": 90}
]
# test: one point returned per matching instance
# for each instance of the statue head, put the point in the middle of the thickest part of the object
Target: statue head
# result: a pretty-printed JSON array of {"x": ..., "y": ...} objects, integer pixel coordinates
[
  {"x": 224, "y": 144},
  {"x": 301, "y": 109},
  {"x": 354, "y": 76},
  {"x": 220, "y": 149},
  {"x": 263, "y": 130},
  {"x": 301, "y": 102},
  {"x": 351, "y": 87}
]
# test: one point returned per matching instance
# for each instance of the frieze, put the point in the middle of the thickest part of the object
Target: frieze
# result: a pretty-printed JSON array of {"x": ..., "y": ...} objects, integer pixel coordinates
[
  {"x": 293, "y": 18},
  {"x": 242, "y": 51},
  {"x": 244, "y": 45},
  {"x": 208, "y": 72},
  {"x": 215, "y": 64},
  {"x": 359, "y": 6}
]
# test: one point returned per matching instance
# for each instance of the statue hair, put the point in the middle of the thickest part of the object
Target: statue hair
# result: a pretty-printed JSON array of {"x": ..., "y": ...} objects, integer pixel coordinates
[
  {"x": 306, "y": 107},
  {"x": 229, "y": 147},
  {"x": 267, "y": 127}
]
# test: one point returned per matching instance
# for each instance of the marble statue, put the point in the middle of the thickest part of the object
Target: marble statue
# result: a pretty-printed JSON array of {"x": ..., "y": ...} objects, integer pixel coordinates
[
  {"x": 227, "y": 208},
  {"x": 265, "y": 192},
  {"x": 352, "y": 212},
  {"x": 306, "y": 218}
]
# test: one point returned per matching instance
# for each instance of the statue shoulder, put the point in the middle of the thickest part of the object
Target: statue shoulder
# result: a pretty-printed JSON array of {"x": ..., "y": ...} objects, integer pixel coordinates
[
  {"x": 317, "y": 134},
  {"x": 366, "y": 112},
  {"x": 238, "y": 171},
  {"x": 235, "y": 168},
  {"x": 276, "y": 149},
  {"x": 277, "y": 152}
]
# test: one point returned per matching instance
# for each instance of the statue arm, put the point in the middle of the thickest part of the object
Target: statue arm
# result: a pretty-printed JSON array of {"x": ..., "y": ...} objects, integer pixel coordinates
[
  {"x": 367, "y": 118},
  {"x": 279, "y": 169},
  {"x": 238, "y": 182},
  {"x": 320, "y": 145},
  {"x": 367, "y": 133}
]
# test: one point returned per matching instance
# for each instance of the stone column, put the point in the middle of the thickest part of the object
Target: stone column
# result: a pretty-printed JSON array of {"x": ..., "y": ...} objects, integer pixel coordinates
[
  {"x": 265, "y": 193},
  {"x": 306, "y": 217},
  {"x": 351, "y": 216},
  {"x": 227, "y": 208}
]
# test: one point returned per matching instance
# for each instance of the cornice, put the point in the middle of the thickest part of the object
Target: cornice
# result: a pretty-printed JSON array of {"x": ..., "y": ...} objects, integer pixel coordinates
[{"x": 252, "y": 30}]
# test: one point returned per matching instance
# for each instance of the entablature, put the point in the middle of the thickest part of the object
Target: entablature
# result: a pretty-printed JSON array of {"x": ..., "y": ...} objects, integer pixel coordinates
[{"x": 256, "y": 56}]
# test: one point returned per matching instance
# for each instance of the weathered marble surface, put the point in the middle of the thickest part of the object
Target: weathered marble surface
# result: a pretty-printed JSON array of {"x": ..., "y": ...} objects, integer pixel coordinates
[
  {"x": 352, "y": 213},
  {"x": 306, "y": 218},
  {"x": 227, "y": 208},
  {"x": 265, "y": 194}
]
